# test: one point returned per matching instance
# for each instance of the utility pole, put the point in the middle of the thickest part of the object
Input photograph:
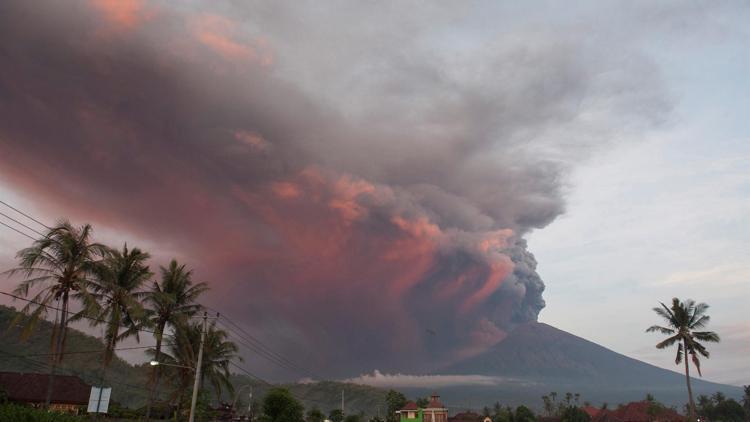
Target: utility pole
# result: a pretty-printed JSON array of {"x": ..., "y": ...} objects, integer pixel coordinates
[
  {"x": 104, "y": 370},
  {"x": 342, "y": 402},
  {"x": 250, "y": 415},
  {"x": 196, "y": 384},
  {"x": 57, "y": 351}
]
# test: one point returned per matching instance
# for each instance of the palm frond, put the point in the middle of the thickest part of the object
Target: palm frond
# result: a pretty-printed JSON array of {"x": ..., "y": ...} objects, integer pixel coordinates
[
  {"x": 668, "y": 342},
  {"x": 660, "y": 329},
  {"x": 709, "y": 336},
  {"x": 665, "y": 313},
  {"x": 700, "y": 349},
  {"x": 701, "y": 322},
  {"x": 696, "y": 362}
]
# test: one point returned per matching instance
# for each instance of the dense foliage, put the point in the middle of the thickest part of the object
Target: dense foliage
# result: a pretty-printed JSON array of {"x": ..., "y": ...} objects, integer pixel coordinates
[
  {"x": 394, "y": 401},
  {"x": 315, "y": 415},
  {"x": 280, "y": 406},
  {"x": 719, "y": 408},
  {"x": 18, "y": 413}
]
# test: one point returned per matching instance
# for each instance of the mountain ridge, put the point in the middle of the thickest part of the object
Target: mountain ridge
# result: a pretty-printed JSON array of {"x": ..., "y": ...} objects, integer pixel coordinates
[{"x": 537, "y": 358}]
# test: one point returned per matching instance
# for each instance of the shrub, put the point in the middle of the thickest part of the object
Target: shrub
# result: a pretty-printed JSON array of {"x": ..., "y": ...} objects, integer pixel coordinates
[{"x": 18, "y": 413}]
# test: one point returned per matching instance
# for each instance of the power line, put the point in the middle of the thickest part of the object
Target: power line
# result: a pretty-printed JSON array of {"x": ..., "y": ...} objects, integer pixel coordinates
[
  {"x": 250, "y": 341},
  {"x": 78, "y": 352},
  {"x": 252, "y": 375},
  {"x": 144, "y": 330},
  {"x": 21, "y": 224},
  {"x": 24, "y": 214},
  {"x": 254, "y": 340},
  {"x": 261, "y": 352},
  {"x": 245, "y": 338},
  {"x": 17, "y": 231},
  {"x": 264, "y": 350},
  {"x": 43, "y": 366}
]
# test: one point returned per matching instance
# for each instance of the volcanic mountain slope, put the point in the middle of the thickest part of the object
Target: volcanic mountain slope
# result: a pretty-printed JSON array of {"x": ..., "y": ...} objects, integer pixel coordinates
[{"x": 538, "y": 358}]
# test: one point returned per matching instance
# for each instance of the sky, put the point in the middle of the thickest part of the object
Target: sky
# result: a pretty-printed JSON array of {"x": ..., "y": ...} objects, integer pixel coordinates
[{"x": 371, "y": 186}]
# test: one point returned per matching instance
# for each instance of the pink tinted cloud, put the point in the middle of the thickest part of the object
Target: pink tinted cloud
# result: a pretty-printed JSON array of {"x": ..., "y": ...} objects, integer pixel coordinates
[
  {"x": 251, "y": 139},
  {"x": 219, "y": 34},
  {"x": 123, "y": 14}
]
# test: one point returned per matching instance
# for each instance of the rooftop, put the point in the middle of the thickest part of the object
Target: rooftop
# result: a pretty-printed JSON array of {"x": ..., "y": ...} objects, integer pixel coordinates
[{"x": 32, "y": 388}]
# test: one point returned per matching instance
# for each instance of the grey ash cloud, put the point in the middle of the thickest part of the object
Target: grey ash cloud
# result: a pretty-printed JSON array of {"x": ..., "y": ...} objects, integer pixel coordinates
[{"x": 345, "y": 177}]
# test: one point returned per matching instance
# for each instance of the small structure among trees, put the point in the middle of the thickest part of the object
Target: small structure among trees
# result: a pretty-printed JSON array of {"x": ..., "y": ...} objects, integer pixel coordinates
[
  {"x": 640, "y": 411},
  {"x": 433, "y": 411},
  {"x": 69, "y": 392}
]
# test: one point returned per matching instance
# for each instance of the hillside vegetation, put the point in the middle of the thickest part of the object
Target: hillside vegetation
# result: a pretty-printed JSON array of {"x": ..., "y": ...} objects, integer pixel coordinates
[
  {"x": 32, "y": 355},
  {"x": 129, "y": 381}
]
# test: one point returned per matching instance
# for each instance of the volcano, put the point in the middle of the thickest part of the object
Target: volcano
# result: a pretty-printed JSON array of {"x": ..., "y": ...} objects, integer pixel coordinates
[{"x": 536, "y": 358}]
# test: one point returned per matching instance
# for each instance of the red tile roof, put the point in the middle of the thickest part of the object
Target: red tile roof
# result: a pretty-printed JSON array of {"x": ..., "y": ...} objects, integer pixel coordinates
[
  {"x": 435, "y": 403},
  {"x": 638, "y": 412},
  {"x": 606, "y": 415},
  {"x": 591, "y": 411},
  {"x": 466, "y": 417},
  {"x": 410, "y": 406},
  {"x": 32, "y": 388}
]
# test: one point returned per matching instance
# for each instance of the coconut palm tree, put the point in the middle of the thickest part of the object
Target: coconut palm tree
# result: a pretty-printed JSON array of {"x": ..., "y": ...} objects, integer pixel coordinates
[
  {"x": 683, "y": 318},
  {"x": 117, "y": 297},
  {"x": 218, "y": 352},
  {"x": 62, "y": 263},
  {"x": 171, "y": 302},
  {"x": 182, "y": 355}
]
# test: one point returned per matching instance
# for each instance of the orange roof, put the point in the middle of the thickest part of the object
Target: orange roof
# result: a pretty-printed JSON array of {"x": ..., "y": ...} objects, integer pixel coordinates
[
  {"x": 410, "y": 406},
  {"x": 637, "y": 412},
  {"x": 435, "y": 402},
  {"x": 591, "y": 411},
  {"x": 32, "y": 388}
]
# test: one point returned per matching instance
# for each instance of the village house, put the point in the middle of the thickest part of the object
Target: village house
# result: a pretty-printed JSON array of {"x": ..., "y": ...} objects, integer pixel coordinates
[
  {"x": 435, "y": 411},
  {"x": 466, "y": 417},
  {"x": 641, "y": 411},
  {"x": 69, "y": 392}
]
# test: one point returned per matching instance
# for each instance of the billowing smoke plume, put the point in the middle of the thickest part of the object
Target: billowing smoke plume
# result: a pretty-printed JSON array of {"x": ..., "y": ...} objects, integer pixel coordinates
[{"x": 355, "y": 183}]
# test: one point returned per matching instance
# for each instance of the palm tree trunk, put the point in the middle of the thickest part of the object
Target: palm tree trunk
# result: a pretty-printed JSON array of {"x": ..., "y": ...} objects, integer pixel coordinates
[
  {"x": 55, "y": 335},
  {"x": 157, "y": 372},
  {"x": 687, "y": 377},
  {"x": 58, "y": 352},
  {"x": 107, "y": 358}
]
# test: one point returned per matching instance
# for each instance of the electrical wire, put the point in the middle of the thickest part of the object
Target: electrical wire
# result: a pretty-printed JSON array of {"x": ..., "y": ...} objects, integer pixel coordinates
[
  {"x": 21, "y": 224},
  {"x": 24, "y": 214},
  {"x": 43, "y": 366},
  {"x": 143, "y": 330},
  {"x": 78, "y": 352},
  {"x": 244, "y": 337},
  {"x": 17, "y": 231}
]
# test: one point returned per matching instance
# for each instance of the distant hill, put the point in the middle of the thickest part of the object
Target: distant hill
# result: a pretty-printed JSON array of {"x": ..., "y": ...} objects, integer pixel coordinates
[
  {"x": 32, "y": 355},
  {"x": 538, "y": 358},
  {"x": 129, "y": 381}
]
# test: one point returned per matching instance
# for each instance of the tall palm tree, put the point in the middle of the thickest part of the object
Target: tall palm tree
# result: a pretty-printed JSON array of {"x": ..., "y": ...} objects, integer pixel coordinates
[
  {"x": 683, "y": 318},
  {"x": 62, "y": 263},
  {"x": 171, "y": 302},
  {"x": 218, "y": 352},
  {"x": 116, "y": 297}
]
